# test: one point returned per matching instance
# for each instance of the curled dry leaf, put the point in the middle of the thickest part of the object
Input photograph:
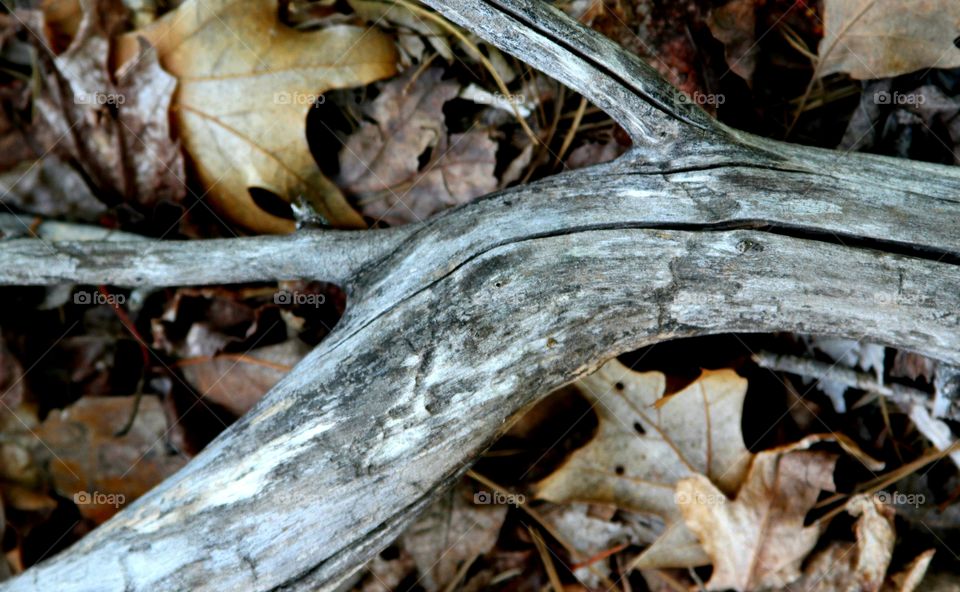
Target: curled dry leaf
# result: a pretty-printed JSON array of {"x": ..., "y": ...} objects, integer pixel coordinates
[
  {"x": 734, "y": 24},
  {"x": 879, "y": 39},
  {"x": 381, "y": 163},
  {"x": 246, "y": 84},
  {"x": 862, "y": 566},
  {"x": 759, "y": 540},
  {"x": 646, "y": 444},
  {"x": 116, "y": 129}
]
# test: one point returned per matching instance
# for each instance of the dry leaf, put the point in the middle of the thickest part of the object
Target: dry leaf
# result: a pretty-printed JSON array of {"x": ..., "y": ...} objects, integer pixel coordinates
[
  {"x": 909, "y": 579},
  {"x": 645, "y": 445},
  {"x": 453, "y": 530},
  {"x": 88, "y": 459},
  {"x": 116, "y": 129},
  {"x": 759, "y": 539},
  {"x": 734, "y": 24},
  {"x": 238, "y": 383},
  {"x": 381, "y": 164},
  {"x": 246, "y": 84},
  {"x": 862, "y": 566},
  {"x": 880, "y": 39},
  {"x": 591, "y": 536},
  {"x": 51, "y": 189}
]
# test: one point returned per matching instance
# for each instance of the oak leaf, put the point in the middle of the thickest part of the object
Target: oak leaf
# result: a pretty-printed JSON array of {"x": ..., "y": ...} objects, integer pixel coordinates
[
  {"x": 879, "y": 39},
  {"x": 646, "y": 443},
  {"x": 246, "y": 84}
]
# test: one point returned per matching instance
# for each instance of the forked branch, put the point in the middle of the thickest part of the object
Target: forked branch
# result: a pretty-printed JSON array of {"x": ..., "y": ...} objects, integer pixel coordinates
[{"x": 455, "y": 324}]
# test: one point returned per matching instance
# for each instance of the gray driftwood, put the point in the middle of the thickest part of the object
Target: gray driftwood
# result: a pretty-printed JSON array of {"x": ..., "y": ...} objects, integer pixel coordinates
[{"x": 456, "y": 324}]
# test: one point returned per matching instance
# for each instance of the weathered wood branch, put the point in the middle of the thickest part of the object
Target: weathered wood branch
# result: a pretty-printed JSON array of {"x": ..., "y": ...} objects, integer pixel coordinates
[
  {"x": 79, "y": 254},
  {"x": 455, "y": 324}
]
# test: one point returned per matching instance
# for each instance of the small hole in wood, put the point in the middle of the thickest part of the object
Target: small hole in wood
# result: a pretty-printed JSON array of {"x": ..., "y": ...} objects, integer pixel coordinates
[
  {"x": 639, "y": 428},
  {"x": 619, "y": 470},
  {"x": 956, "y": 42},
  {"x": 619, "y": 386}
]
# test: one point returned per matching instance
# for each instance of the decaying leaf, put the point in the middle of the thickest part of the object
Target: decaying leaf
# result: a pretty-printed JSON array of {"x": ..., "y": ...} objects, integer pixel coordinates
[
  {"x": 406, "y": 167},
  {"x": 646, "y": 444},
  {"x": 246, "y": 84},
  {"x": 591, "y": 535},
  {"x": 879, "y": 39},
  {"x": 49, "y": 188},
  {"x": 238, "y": 382},
  {"x": 452, "y": 531},
  {"x": 759, "y": 539},
  {"x": 862, "y": 566},
  {"x": 89, "y": 460},
  {"x": 734, "y": 24},
  {"x": 114, "y": 128}
]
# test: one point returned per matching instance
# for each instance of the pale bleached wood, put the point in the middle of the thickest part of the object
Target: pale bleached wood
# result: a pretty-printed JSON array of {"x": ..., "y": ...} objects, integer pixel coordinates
[{"x": 455, "y": 324}]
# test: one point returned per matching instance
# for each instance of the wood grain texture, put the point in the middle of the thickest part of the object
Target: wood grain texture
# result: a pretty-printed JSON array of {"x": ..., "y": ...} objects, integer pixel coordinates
[{"x": 456, "y": 324}]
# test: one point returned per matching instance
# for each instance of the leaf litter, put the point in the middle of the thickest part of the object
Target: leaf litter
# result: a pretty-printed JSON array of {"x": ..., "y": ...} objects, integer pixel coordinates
[{"x": 663, "y": 482}]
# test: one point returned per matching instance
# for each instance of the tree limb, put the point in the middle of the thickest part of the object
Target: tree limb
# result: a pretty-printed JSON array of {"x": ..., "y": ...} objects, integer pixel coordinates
[{"x": 456, "y": 324}]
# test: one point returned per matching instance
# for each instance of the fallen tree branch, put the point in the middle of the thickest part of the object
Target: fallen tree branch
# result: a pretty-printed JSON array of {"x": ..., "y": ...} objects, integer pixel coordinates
[
  {"x": 456, "y": 324},
  {"x": 79, "y": 254},
  {"x": 898, "y": 393}
]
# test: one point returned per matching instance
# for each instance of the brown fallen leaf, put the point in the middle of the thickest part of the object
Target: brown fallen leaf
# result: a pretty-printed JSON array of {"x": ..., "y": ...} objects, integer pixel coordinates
[
  {"x": 102, "y": 472},
  {"x": 879, "y": 39},
  {"x": 114, "y": 128},
  {"x": 862, "y": 566},
  {"x": 237, "y": 382},
  {"x": 646, "y": 444},
  {"x": 246, "y": 84},
  {"x": 759, "y": 539},
  {"x": 381, "y": 164},
  {"x": 734, "y": 24},
  {"x": 454, "y": 530}
]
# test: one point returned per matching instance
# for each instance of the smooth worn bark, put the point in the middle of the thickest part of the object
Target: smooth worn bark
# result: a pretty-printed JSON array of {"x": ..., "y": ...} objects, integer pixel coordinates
[{"x": 456, "y": 324}]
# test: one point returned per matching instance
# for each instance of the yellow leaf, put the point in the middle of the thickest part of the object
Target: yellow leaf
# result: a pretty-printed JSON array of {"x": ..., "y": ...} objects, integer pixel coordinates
[
  {"x": 645, "y": 444},
  {"x": 246, "y": 83}
]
